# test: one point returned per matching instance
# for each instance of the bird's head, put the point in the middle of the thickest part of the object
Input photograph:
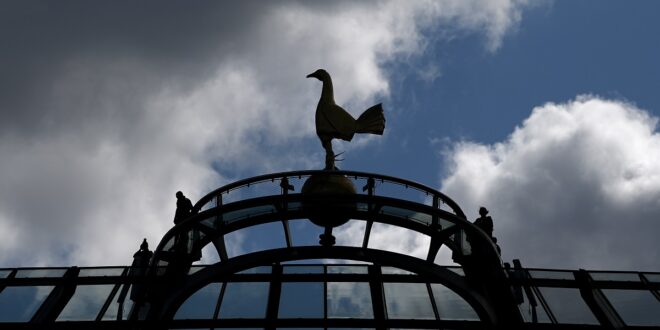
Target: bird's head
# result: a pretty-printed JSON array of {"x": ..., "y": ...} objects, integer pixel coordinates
[{"x": 319, "y": 74}]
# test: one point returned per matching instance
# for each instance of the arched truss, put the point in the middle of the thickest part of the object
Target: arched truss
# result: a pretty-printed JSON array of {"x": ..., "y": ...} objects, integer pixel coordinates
[
  {"x": 445, "y": 227},
  {"x": 428, "y": 271},
  {"x": 443, "y": 221}
]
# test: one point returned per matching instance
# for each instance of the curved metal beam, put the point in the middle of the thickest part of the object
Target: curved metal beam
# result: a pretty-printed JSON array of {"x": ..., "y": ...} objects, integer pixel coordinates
[
  {"x": 432, "y": 272},
  {"x": 274, "y": 176},
  {"x": 322, "y": 203}
]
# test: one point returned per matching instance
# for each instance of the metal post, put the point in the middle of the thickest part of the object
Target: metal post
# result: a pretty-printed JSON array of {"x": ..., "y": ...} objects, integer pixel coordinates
[
  {"x": 377, "y": 296},
  {"x": 274, "y": 293},
  {"x": 286, "y": 187},
  {"x": 370, "y": 188},
  {"x": 595, "y": 299},
  {"x": 219, "y": 242}
]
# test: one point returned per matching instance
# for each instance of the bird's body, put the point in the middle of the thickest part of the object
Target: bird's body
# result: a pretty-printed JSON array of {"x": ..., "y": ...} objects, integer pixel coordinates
[{"x": 333, "y": 122}]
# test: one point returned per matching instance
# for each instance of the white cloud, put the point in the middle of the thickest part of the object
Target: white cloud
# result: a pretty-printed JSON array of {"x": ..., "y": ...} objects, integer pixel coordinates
[
  {"x": 576, "y": 185},
  {"x": 97, "y": 142}
]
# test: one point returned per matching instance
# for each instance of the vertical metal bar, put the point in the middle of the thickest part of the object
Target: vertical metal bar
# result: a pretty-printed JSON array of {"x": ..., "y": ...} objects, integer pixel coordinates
[
  {"x": 436, "y": 204},
  {"x": 274, "y": 292},
  {"x": 597, "y": 302},
  {"x": 219, "y": 242},
  {"x": 436, "y": 242},
  {"x": 377, "y": 296},
  {"x": 122, "y": 296},
  {"x": 325, "y": 295},
  {"x": 433, "y": 303},
  {"x": 541, "y": 300},
  {"x": 370, "y": 188},
  {"x": 218, "y": 304},
  {"x": 524, "y": 277},
  {"x": 219, "y": 218},
  {"x": 286, "y": 186}
]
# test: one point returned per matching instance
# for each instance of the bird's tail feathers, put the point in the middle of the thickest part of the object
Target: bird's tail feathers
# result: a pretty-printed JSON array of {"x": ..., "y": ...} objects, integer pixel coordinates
[{"x": 371, "y": 121}]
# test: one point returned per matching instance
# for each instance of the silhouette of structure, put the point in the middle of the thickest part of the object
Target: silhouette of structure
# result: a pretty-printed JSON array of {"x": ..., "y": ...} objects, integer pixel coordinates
[
  {"x": 333, "y": 122},
  {"x": 271, "y": 289},
  {"x": 372, "y": 289}
]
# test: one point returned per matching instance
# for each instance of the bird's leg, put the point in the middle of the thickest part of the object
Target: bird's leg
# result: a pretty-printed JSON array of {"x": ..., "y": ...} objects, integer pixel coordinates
[{"x": 329, "y": 154}]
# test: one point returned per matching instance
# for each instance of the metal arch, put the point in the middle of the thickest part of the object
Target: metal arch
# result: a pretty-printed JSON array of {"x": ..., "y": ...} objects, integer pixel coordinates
[
  {"x": 223, "y": 229},
  {"x": 433, "y": 272},
  {"x": 284, "y": 175}
]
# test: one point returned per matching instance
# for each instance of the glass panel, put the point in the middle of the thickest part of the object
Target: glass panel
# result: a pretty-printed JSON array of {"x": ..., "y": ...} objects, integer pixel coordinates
[
  {"x": 43, "y": 272},
  {"x": 301, "y": 231},
  {"x": 532, "y": 314},
  {"x": 257, "y": 270},
  {"x": 567, "y": 305},
  {"x": 408, "y": 301},
  {"x": 424, "y": 218},
  {"x": 347, "y": 269},
  {"x": 195, "y": 269},
  {"x": 114, "y": 271},
  {"x": 652, "y": 277},
  {"x": 636, "y": 307},
  {"x": 19, "y": 303},
  {"x": 5, "y": 273},
  {"x": 294, "y": 206},
  {"x": 394, "y": 270},
  {"x": 405, "y": 213},
  {"x": 446, "y": 224},
  {"x": 244, "y": 300},
  {"x": 457, "y": 270},
  {"x": 450, "y": 305},
  {"x": 201, "y": 305},
  {"x": 354, "y": 234},
  {"x": 615, "y": 276},
  {"x": 399, "y": 240},
  {"x": 552, "y": 275},
  {"x": 113, "y": 309},
  {"x": 255, "y": 238},
  {"x": 85, "y": 303},
  {"x": 211, "y": 222},
  {"x": 210, "y": 204},
  {"x": 292, "y": 269},
  {"x": 301, "y": 300},
  {"x": 237, "y": 215},
  {"x": 352, "y": 300}
]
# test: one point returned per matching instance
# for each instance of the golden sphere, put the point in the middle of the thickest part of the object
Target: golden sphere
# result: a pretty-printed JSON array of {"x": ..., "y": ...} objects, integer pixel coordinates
[{"x": 333, "y": 213}]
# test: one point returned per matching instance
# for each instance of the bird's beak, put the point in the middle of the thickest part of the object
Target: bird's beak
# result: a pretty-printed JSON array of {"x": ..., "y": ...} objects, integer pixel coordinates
[{"x": 311, "y": 75}]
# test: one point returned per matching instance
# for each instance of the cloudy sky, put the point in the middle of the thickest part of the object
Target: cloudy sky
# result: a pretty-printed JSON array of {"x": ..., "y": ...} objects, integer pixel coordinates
[{"x": 544, "y": 112}]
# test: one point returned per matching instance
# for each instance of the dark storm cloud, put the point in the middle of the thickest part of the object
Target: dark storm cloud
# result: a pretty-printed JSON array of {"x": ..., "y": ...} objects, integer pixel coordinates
[{"x": 164, "y": 41}]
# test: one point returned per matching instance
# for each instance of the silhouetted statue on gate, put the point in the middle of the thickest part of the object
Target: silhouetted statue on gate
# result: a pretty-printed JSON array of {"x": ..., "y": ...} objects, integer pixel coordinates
[
  {"x": 484, "y": 222},
  {"x": 333, "y": 122},
  {"x": 183, "y": 208},
  {"x": 141, "y": 260}
]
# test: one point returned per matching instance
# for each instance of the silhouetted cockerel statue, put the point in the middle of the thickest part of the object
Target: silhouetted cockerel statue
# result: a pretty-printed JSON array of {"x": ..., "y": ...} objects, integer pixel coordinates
[{"x": 333, "y": 122}]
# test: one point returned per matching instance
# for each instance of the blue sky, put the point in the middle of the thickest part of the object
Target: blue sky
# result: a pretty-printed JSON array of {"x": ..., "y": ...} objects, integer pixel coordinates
[
  {"x": 559, "y": 50},
  {"x": 544, "y": 112}
]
